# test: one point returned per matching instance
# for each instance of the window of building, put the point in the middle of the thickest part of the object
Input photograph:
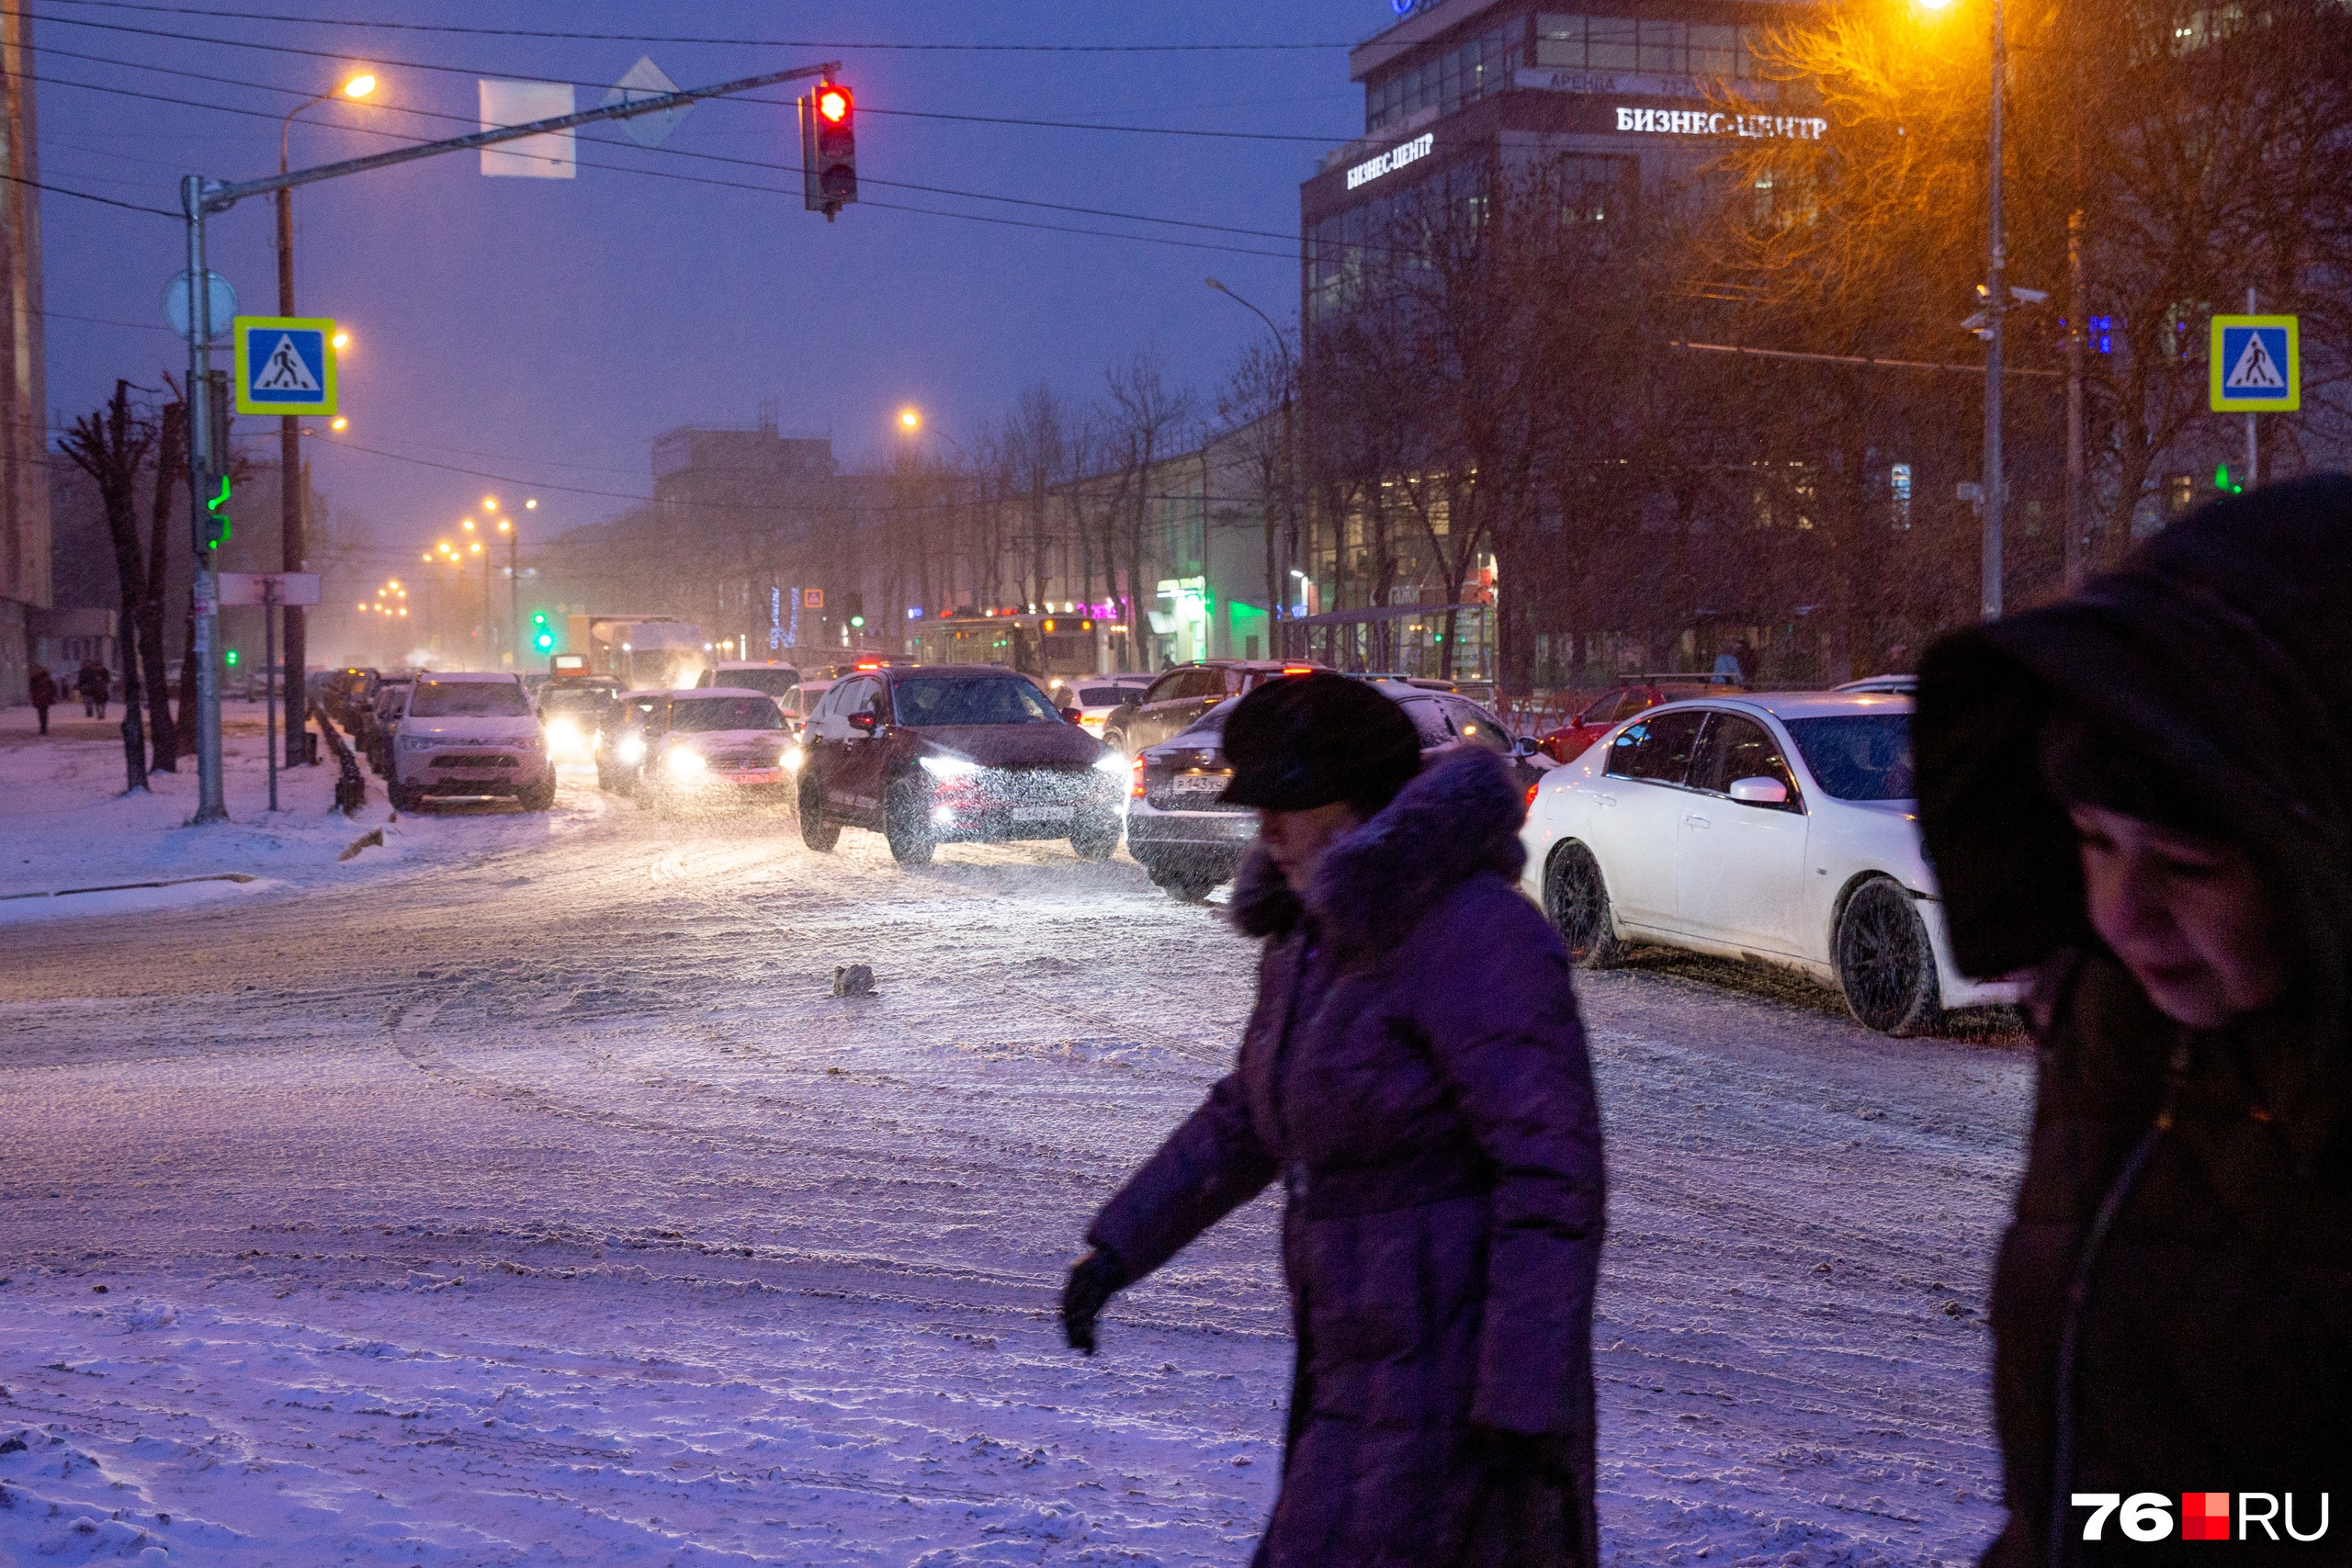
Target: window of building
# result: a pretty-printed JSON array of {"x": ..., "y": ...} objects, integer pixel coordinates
[
  {"x": 1898, "y": 490},
  {"x": 1624, "y": 44},
  {"x": 1473, "y": 69}
]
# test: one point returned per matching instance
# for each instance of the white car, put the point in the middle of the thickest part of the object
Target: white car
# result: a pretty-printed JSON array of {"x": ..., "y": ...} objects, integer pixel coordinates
[
  {"x": 1776, "y": 828},
  {"x": 470, "y": 735},
  {"x": 715, "y": 745},
  {"x": 1096, "y": 697}
]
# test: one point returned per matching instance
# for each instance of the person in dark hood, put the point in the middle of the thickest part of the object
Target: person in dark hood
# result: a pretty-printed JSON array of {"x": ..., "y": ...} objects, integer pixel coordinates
[
  {"x": 2139, "y": 796},
  {"x": 1415, "y": 1075}
]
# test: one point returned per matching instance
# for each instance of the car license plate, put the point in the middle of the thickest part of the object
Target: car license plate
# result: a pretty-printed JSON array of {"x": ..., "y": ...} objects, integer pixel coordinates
[
  {"x": 1043, "y": 813},
  {"x": 1199, "y": 784}
]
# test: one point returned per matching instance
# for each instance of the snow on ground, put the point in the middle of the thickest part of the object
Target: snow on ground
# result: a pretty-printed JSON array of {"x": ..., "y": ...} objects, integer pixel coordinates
[
  {"x": 533, "y": 1203},
  {"x": 66, "y": 824}
]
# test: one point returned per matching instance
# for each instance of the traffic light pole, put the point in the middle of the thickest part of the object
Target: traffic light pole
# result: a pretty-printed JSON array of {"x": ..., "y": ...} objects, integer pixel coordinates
[{"x": 206, "y": 453}]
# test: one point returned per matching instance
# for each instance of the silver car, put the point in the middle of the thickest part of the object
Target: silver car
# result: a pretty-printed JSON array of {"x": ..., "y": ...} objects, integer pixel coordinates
[{"x": 470, "y": 735}]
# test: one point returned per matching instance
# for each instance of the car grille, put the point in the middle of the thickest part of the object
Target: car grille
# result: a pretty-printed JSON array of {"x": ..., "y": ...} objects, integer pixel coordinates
[
  {"x": 744, "y": 762},
  {"x": 471, "y": 759},
  {"x": 1162, "y": 792}
]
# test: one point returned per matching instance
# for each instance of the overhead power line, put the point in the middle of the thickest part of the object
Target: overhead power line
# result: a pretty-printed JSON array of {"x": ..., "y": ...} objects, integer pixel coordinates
[{"x": 737, "y": 43}]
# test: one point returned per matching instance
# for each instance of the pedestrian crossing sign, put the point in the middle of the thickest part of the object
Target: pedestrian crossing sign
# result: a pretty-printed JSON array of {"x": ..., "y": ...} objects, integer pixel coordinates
[
  {"x": 2258, "y": 366},
  {"x": 285, "y": 365}
]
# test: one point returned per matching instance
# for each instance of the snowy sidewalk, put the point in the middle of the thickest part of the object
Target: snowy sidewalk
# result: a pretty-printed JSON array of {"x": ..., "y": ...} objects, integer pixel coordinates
[{"x": 66, "y": 824}]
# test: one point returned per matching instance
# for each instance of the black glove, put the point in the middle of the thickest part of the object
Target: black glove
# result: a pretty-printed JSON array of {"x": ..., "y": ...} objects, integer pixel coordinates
[
  {"x": 1092, "y": 1280},
  {"x": 1519, "y": 1457}
]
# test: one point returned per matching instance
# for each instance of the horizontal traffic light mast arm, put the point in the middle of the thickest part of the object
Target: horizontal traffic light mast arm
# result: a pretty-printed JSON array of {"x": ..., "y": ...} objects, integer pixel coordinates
[{"x": 221, "y": 194}]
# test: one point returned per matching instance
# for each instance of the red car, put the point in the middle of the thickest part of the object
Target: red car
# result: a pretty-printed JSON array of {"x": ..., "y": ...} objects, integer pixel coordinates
[{"x": 1638, "y": 694}]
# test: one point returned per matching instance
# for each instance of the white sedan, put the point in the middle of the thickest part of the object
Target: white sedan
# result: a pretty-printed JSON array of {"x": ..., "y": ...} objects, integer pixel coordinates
[{"x": 1776, "y": 828}]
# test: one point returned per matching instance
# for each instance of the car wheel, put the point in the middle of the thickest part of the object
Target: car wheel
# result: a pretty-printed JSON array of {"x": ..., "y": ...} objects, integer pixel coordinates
[
  {"x": 815, "y": 831},
  {"x": 1188, "y": 881},
  {"x": 1885, "y": 965},
  {"x": 536, "y": 797},
  {"x": 402, "y": 797},
  {"x": 906, "y": 824},
  {"x": 1577, "y": 900},
  {"x": 604, "y": 778},
  {"x": 1097, "y": 840}
]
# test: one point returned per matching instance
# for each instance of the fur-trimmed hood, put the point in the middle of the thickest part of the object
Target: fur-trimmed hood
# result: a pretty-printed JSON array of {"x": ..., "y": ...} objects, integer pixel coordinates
[{"x": 1459, "y": 818}]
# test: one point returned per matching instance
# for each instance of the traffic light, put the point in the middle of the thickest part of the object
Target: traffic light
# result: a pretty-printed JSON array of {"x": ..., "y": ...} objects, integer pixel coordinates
[
  {"x": 213, "y": 532},
  {"x": 828, "y": 149},
  {"x": 230, "y": 658},
  {"x": 853, "y": 606},
  {"x": 2226, "y": 485},
  {"x": 542, "y": 633}
]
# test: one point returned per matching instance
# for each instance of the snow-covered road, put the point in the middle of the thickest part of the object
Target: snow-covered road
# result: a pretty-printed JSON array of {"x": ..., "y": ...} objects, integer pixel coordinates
[{"x": 544, "y": 1207}]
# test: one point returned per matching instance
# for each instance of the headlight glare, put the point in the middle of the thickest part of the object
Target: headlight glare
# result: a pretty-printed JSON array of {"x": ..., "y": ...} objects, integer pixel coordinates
[
  {"x": 948, "y": 767},
  {"x": 685, "y": 762}
]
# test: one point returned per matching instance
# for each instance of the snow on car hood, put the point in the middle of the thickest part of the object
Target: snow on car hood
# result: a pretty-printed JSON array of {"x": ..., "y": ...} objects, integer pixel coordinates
[
  {"x": 708, "y": 741},
  {"x": 1011, "y": 744},
  {"x": 460, "y": 727}
]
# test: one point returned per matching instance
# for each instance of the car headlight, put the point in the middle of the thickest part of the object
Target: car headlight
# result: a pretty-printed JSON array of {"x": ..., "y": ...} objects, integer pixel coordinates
[
  {"x": 685, "y": 763},
  {"x": 1113, "y": 763},
  {"x": 629, "y": 747},
  {"x": 564, "y": 733},
  {"x": 792, "y": 758},
  {"x": 948, "y": 767},
  {"x": 419, "y": 742}
]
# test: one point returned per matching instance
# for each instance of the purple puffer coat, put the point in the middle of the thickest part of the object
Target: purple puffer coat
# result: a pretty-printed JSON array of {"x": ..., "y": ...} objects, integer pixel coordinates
[{"x": 1415, "y": 1074}]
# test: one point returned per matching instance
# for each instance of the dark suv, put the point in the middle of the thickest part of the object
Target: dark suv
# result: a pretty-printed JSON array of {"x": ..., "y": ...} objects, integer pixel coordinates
[
  {"x": 1171, "y": 704},
  {"x": 950, "y": 754}
]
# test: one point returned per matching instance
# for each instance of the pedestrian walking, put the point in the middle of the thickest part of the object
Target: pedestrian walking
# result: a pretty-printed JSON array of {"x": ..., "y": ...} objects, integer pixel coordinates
[
  {"x": 1744, "y": 656},
  {"x": 1415, "y": 1075},
  {"x": 97, "y": 687},
  {"x": 43, "y": 691},
  {"x": 2140, "y": 794}
]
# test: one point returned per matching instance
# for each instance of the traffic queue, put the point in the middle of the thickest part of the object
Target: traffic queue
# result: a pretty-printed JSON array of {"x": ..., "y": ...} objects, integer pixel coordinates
[{"x": 1674, "y": 810}]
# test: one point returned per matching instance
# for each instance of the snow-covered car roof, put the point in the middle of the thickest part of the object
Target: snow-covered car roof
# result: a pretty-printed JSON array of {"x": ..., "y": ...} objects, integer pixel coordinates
[
  {"x": 482, "y": 677},
  {"x": 693, "y": 692},
  {"x": 1796, "y": 705}
]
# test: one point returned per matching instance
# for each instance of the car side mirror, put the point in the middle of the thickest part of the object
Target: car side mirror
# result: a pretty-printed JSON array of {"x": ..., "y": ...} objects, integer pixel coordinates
[
  {"x": 864, "y": 723},
  {"x": 1759, "y": 792},
  {"x": 1525, "y": 746},
  {"x": 1073, "y": 715}
]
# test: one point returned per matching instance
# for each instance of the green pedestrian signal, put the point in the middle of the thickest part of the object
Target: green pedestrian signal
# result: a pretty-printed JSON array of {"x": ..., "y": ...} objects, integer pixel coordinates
[
  {"x": 216, "y": 520},
  {"x": 2227, "y": 486},
  {"x": 542, "y": 635},
  {"x": 230, "y": 658}
]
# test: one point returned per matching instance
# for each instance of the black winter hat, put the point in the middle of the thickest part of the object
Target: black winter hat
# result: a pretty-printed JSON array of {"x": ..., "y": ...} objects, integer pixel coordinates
[{"x": 1308, "y": 741}]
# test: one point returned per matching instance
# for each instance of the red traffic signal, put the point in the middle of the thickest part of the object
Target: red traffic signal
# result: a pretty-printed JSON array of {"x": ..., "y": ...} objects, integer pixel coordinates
[{"x": 828, "y": 149}]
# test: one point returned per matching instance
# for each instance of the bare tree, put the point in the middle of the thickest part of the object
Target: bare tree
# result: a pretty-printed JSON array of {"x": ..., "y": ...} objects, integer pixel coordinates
[
  {"x": 111, "y": 446},
  {"x": 1148, "y": 419}
]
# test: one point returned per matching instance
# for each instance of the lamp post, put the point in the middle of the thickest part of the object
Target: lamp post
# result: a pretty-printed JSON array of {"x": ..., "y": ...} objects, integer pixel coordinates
[
  {"x": 912, "y": 423},
  {"x": 289, "y": 434},
  {"x": 1278, "y": 570}
]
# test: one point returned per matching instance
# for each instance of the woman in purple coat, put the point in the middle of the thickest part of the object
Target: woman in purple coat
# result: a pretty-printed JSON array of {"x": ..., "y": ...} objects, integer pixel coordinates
[{"x": 1415, "y": 1076}]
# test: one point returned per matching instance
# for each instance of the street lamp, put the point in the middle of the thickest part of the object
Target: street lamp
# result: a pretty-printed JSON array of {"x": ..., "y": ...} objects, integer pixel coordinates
[
  {"x": 1277, "y": 580},
  {"x": 356, "y": 86}
]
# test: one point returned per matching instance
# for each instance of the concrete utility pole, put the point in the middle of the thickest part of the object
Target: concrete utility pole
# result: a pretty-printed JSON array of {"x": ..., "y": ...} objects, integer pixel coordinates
[
  {"x": 207, "y": 447},
  {"x": 1279, "y": 632}
]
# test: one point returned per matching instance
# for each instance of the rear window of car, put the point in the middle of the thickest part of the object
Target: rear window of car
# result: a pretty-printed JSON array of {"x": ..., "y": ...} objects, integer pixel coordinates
[
  {"x": 468, "y": 699},
  {"x": 1101, "y": 696},
  {"x": 1863, "y": 756},
  {"x": 775, "y": 683},
  {"x": 971, "y": 699},
  {"x": 725, "y": 713}
]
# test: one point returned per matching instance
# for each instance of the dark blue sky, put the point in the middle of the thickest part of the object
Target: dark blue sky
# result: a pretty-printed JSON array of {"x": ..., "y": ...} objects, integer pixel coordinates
[{"x": 546, "y": 329}]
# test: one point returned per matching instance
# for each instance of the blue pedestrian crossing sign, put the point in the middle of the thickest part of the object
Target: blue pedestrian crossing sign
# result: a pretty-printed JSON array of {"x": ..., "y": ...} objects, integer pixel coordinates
[
  {"x": 285, "y": 363},
  {"x": 2257, "y": 364}
]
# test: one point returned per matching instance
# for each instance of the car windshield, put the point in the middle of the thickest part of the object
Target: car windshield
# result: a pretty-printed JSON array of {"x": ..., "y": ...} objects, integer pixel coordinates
[
  {"x": 468, "y": 699},
  {"x": 775, "y": 683},
  {"x": 1863, "y": 756},
  {"x": 972, "y": 699},
  {"x": 725, "y": 713}
]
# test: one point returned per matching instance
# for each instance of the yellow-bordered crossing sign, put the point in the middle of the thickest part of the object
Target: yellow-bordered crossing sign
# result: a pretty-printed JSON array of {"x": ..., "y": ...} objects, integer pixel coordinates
[
  {"x": 285, "y": 363},
  {"x": 2257, "y": 364}
]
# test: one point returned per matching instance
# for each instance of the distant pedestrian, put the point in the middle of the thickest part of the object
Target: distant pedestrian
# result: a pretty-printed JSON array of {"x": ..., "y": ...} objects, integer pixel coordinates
[
  {"x": 1744, "y": 654},
  {"x": 2144, "y": 796},
  {"x": 1415, "y": 1075},
  {"x": 97, "y": 687},
  {"x": 1727, "y": 669},
  {"x": 42, "y": 689}
]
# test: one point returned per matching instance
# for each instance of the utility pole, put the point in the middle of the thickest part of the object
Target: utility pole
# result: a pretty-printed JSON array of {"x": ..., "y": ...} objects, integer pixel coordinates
[
  {"x": 2077, "y": 336},
  {"x": 1996, "y": 300},
  {"x": 207, "y": 455}
]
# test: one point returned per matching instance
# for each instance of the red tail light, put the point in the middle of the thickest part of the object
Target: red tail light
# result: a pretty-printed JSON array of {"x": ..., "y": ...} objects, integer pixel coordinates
[
  {"x": 1298, "y": 669},
  {"x": 1530, "y": 799},
  {"x": 1138, "y": 770}
]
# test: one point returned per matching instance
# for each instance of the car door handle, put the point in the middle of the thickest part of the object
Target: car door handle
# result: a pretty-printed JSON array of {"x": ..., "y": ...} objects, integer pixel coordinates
[
  {"x": 1697, "y": 821},
  {"x": 1605, "y": 799}
]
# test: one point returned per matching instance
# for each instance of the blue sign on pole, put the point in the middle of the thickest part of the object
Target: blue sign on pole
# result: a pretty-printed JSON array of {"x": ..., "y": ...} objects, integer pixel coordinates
[
  {"x": 2257, "y": 365},
  {"x": 285, "y": 365}
]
